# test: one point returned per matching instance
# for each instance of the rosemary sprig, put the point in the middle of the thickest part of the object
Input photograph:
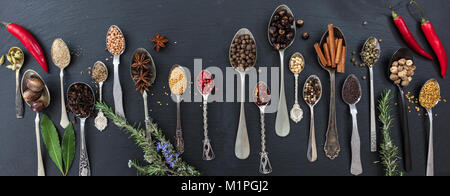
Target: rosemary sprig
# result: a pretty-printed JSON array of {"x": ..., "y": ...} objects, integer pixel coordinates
[
  {"x": 389, "y": 151},
  {"x": 158, "y": 152}
]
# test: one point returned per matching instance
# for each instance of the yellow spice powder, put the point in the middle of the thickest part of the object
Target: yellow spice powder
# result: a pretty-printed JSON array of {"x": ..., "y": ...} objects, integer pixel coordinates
[
  {"x": 177, "y": 81},
  {"x": 430, "y": 94}
]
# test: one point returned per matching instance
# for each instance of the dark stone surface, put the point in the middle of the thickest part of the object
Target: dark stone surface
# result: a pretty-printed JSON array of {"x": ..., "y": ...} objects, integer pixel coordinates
[{"x": 204, "y": 29}]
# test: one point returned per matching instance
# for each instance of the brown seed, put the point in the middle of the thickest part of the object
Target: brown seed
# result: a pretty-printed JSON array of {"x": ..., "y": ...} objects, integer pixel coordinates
[{"x": 300, "y": 23}]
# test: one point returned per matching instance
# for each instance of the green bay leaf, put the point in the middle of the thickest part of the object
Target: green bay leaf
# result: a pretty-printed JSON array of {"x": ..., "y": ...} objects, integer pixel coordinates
[
  {"x": 68, "y": 147},
  {"x": 51, "y": 141}
]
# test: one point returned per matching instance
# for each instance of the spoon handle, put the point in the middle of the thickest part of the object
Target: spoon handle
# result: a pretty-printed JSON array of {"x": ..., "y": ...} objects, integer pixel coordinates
[
  {"x": 64, "y": 119},
  {"x": 101, "y": 91},
  {"x": 356, "y": 166},
  {"x": 430, "y": 161},
  {"x": 312, "y": 146},
  {"x": 264, "y": 163},
  {"x": 296, "y": 88},
  {"x": 332, "y": 146},
  {"x": 41, "y": 170},
  {"x": 179, "y": 131},
  {"x": 242, "y": 145},
  {"x": 405, "y": 133},
  {"x": 147, "y": 118},
  {"x": 282, "y": 125},
  {"x": 117, "y": 91},
  {"x": 84, "y": 168},
  {"x": 208, "y": 153},
  {"x": 373, "y": 122},
  {"x": 19, "y": 100}
]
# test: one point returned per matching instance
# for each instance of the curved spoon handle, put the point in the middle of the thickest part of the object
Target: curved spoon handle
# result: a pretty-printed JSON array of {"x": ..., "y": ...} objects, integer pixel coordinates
[
  {"x": 356, "y": 166},
  {"x": 332, "y": 146},
  {"x": 373, "y": 122},
  {"x": 41, "y": 170},
  {"x": 430, "y": 161},
  {"x": 242, "y": 145},
  {"x": 19, "y": 100},
  {"x": 312, "y": 146},
  {"x": 405, "y": 133},
  {"x": 117, "y": 89},
  {"x": 84, "y": 169},
  {"x": 64, "y": 119},
  {"x": 282, "y": 124}
]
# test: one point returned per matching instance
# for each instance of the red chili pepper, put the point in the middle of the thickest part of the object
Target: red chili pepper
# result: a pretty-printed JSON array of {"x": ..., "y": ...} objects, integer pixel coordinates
[
  {"x": 408, "y": 36},
  {"x": 433, "y": 40},
  {"x": 29, "y": 42}
]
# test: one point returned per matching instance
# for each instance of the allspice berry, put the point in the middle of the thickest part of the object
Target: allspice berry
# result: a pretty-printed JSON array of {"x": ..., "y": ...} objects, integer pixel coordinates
[
  {"x": 300, "y": 23},
  {"x": 305, "y": 36}
]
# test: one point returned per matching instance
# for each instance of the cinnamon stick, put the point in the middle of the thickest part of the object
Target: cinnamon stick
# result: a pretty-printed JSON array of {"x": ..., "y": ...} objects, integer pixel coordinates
[
  {"x": 331, "y": 44},
  {"x": 339, "y": 51},
  {"x": 320, "y": 54},
  {"x": 327, "y": 53},
  {"x": 343, "y": 58}
]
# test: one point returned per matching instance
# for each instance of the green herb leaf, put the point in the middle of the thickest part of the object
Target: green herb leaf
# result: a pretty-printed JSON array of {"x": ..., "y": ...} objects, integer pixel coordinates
[
  {"x": 51, "y": 141},
  {"x": 68, "y": 147}
]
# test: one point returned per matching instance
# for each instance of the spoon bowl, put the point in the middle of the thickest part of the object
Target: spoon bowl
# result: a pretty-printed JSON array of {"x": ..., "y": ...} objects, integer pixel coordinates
[
  {"x": 337, "y": 34},
  {"x": 260, "y": 98},
  {"x": 242, "y": 31},
  {"x": 359, "y": 88},
  {"x": 93, "y": 96},
  {"x": 184, "y": 84},
  {"x": 439, "y": 88},
  {"x": 21, "y": 62},
  {"x": 288, "y": 10},
  {"x": 320, "y": 86},
  {"x": 201, "y": 76},
  {"x": 152, "y": 70},
  {"x": 100, "y": 63},
  {"x": 61, "y": 66},
  {"x": 377, "y": 46},
  {"x": 124, "y": 43},
  {"x": 295, "y": 55},
  {"x": 399, "y": 54},
  {"x": 45, "y": 92}
]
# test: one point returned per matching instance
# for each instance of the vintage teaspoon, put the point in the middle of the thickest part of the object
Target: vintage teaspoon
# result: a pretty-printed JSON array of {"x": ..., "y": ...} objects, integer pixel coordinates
[
  {"x": 205, "y": 85},
  {"x": 18, "y": 100},
  {"x": 178, "y": 87},
  {"x": 100, "y": 120},
  {"x": 64, "y": 119},
  {"x": 296, "y": 111},
  {"x": 261, "y": 98},
  {"x": 312, "y": 93},
  {"x": 117, "y": 89}
]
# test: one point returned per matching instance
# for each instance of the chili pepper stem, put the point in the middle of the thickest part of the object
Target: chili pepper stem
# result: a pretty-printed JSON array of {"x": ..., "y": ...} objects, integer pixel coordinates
[
  {"x": 394, "y": 15},
  {"x": 5, "y": 23},
  {"x": 422, "y": 14}
]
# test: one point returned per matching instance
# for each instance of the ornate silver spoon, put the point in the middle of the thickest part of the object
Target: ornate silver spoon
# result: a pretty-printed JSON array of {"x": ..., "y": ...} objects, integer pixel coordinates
[
  {"x": 261, "y": 98},
  {"x": 205, "y": 85}
]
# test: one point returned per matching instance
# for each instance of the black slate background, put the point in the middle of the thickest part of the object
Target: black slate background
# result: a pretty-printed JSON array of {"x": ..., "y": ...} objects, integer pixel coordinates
[{"x": 203, "y": 29}]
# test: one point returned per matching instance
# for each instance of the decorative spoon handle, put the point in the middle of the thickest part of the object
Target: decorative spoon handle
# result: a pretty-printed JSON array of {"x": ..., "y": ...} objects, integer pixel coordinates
[
  {"x": 208, "y": 153},
  {"x": 264, "y": 165},
  {"x": 332, "y": 147},
  {"x": 356, "y": 166},
  {"x": 242, "y": 146},
  {"x": 405, "y": 133},
  {"x": 64, "y": 119},
  {"x": 19, "y": 100},
  {"x": 312, "y": 147},
  {"x": 147, "y": 120},
  {"x": 373, "y": 123},
  {"x": 179, "y": 131},
  {"x": 430, "y": 161},
  {"x": 84, "y": 168},
  {"x": 117, "y": 91},
  {"x": 282, "y": 125},
  {"x": 41, "y": 170}
]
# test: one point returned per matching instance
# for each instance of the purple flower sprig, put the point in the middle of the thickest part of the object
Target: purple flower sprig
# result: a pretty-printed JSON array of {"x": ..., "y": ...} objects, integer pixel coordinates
[{"x": 171, "y": 158}]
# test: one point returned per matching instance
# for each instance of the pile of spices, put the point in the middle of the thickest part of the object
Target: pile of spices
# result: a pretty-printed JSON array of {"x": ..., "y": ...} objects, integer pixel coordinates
[
  {"x": 430, "y": 94},
  {"x": 160, "y": 42},
  {"x": 81, "y": 100},
  {"x": 281, "y": 30},
  {"x": 141, "y": 72},
  {"x": 205, "y": 82},
  {"x": 262, "y": 94},
  {"x": 115, "y": 42},
  {"x": 99, "y": 72},
  {"x": 60, "y": 53},
  {"x": 177, "y": 81},
  {"x": 370, "y": 52},
  {"x": 15, "y": 57},
  {"x": 334, "y": 51},
  {"x": 33, "y": 95},
  {"x": 312, "y": 90},
  {"x": 402, "y": 71},
  {"x": 243, "y": 52},
  {"x": 297, "y": 64},
  {"x": 351, "y": 92}
]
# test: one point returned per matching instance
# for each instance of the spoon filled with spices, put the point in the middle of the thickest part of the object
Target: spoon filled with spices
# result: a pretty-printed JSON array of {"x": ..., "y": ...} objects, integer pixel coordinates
[
  {"x": 401, "y": 70},
  {"x": 37, "y": 96},
  {"x": 296, "y": 65},
  {"x": 81, "y": 100},
  {"x": 16, "y": 58},
  {"x": 261, "y": 98},
  {"x": 61, "y": 58},
  {"x": 312, "y": 93},
  {"x": 115, "y": 42},
  {"x": 281, "y": 34},
  {"x": 205, "y": 85},
  {"x": 429, "y": 97},
  {"x": 178, "y": 85},
  {"x": 243, "y": 56},
  {"x": 351, "y": 94},
  {"x": 370, "y": 54},
  {"x": 100, "y": 74},
  {"x": 143, "y": 72}
]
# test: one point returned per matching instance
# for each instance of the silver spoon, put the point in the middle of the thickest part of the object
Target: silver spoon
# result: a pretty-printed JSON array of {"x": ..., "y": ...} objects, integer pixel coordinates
[
  {"x": 403, "y": 53},
  {"x": 18, "y": 100},
  {"x": 430, "y": 159},
  {"x": 45, "y": 97},
  {"x": 373, "y": 123},
  {"x": 64, "y": 119},
  {"x": 100, "y": 116},
  {"x": 84, "y": 166},
  {"x": 205, "y": 91},
  {"x": 332, "y": 146},
  {"x": 179, "y": 131},
  {"x": 117, "y": 89},
  {"x": 242, "y": 145},
  {"x": 312, "y": 147},
  {"x": 296, "y": 111},
  {"x": 152, "y": 70},
  {"x": 261, "y": 98},
  {"x": 356, "y": 166},
  {"x": 282, "y": 126}
]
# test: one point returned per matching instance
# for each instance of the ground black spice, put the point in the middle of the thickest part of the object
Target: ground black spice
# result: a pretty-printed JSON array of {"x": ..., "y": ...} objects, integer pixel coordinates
[{"x": 351, "y": 91}]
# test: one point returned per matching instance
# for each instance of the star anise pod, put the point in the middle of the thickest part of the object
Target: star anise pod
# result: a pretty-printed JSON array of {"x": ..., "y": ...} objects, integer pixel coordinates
[
  {"x": 141, "y": 62},
  {"x": 159, "y": 41}
]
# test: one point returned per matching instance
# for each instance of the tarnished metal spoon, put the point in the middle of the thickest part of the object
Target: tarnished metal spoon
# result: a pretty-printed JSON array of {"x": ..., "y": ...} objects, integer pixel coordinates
[
  {"x": 312, "y": 147},
  {"x": 117, "y": 88},
  {"x": 261, "y": 97},
  {"x": 18, "y": 100},
  {"x": 100, "y": 116},
  {"x": 179, "y": 131},
  {"x": 205, "y": 91},
  {"x": 296, "y": 111}
]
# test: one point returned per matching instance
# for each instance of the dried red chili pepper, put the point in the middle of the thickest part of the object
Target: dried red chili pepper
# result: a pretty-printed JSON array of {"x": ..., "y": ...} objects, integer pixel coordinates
[
  {"x": 433, "y": 40},
  {"x": 407, "y": 35},
  {"x": 29, "y": 42}
]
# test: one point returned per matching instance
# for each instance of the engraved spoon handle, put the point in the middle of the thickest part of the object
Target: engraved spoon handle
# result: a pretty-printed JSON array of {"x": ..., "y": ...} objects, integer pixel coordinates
[
  {"x": 84, "y": 166},
  {"x": 373, "y": 123},
  {"x": 208, "y": 153},
  {"x": 332, "y": 146},
  {"x": 179, "y": 131}
]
